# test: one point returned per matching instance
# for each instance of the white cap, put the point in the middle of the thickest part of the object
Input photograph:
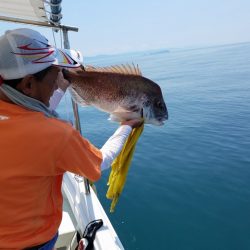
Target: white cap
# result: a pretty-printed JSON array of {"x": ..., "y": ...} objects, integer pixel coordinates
[{"x": 26, "y": 51}]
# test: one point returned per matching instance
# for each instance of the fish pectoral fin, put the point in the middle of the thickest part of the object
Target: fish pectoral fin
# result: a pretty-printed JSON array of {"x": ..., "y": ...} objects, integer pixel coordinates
[
  {"x": 114, "y": 118},
  {"x": 78, "y": 99},
  {"x": 120, "y": 109},
  {"x": 123, "y": 116}
]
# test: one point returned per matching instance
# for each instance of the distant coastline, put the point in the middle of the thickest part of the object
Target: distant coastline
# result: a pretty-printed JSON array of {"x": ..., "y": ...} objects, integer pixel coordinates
[{"x": 168, "y": 50}]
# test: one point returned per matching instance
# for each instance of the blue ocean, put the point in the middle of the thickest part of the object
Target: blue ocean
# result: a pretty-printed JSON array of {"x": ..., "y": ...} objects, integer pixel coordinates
[{"x": 188, "y": 187}]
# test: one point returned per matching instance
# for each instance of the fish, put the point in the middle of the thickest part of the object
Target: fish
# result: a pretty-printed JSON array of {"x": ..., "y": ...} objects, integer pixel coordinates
[{"x": 119, "y": 90}]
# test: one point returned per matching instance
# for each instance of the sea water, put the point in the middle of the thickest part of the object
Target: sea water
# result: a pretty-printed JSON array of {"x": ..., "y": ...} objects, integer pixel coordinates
[{"x": 188, "y": 187}]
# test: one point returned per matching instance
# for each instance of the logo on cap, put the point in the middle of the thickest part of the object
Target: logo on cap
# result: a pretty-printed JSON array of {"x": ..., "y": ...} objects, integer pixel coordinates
[{"x": 35, "y": 54}]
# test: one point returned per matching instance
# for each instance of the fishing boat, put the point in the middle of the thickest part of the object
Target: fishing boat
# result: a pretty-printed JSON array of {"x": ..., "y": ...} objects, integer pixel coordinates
[{"x": 83, "y": 214}]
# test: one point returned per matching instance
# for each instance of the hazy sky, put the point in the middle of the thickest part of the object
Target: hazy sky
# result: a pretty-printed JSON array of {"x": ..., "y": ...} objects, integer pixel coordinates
[{"x": 114, "y": 26}]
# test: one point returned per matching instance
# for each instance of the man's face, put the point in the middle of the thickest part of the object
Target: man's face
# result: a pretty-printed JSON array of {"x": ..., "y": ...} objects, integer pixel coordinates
[{"x": 45, "y": 88}]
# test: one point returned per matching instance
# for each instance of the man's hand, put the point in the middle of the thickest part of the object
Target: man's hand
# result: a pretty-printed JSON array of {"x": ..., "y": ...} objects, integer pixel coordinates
[
  {"x": 134, "y": 123},
  {"x": 62, "y": 83}
]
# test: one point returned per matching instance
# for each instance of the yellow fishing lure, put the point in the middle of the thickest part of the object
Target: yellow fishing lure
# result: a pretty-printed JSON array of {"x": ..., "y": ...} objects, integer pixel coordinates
[{"x": 120, "y": 167}]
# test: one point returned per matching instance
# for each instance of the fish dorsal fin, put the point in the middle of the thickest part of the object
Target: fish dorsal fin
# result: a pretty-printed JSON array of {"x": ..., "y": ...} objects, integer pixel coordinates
[{"x": 118, "y": 69}]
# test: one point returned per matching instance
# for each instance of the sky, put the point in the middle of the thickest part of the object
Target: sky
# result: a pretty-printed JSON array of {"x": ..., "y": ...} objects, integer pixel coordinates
[{"x": 113, "y": 26}]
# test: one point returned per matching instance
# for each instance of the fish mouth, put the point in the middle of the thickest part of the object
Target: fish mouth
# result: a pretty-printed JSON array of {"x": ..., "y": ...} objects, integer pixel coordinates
[
  {"x": 160, "y": 123},
  {"x": 161, "y": 120}
]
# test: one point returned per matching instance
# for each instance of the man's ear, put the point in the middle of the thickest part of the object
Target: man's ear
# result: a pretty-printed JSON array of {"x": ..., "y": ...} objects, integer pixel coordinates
[{"x": 27, "y": 85}]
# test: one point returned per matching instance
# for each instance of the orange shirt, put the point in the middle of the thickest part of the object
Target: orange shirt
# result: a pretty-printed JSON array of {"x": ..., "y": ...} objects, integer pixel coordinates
[{"x": 35, "y": 151}]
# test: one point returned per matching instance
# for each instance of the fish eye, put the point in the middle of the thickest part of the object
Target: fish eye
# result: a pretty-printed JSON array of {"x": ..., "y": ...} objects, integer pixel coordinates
[
  {"x": 160, "y": 105},
  {"x": 147, "y": 103}
]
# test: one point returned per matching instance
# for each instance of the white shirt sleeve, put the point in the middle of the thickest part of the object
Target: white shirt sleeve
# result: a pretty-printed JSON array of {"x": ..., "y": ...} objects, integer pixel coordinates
[
  {"x": 55, "y": 99},
  {"x": 113, "y": 146}
]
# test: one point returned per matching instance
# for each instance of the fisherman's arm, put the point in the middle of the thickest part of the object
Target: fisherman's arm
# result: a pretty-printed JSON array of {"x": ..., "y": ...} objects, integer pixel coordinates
[
  {"x": 55, "y": 99},
  {"x": 77, "y": 155},
  {"x": 114, "y": 144}
]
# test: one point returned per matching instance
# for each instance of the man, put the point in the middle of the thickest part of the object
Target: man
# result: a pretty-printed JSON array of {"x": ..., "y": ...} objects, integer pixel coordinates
[{"x": 37, "y": 148}]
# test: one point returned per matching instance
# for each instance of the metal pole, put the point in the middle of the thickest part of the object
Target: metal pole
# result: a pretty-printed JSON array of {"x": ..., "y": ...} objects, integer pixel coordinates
[
  {"x": 75, "y": 106},
  {"x": 42, "y": 24}
]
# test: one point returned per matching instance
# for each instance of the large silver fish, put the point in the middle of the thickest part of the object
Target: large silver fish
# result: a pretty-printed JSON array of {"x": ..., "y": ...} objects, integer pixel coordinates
[{"x": 119, "y": 90}]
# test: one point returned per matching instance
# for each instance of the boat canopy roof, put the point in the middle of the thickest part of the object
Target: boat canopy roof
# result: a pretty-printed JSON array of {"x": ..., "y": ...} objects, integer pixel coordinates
[{"x": 32, "y": 11}]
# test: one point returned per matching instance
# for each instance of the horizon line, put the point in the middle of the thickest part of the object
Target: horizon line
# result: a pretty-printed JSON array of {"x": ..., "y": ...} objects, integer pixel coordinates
[{"x": 165, "y": 48}]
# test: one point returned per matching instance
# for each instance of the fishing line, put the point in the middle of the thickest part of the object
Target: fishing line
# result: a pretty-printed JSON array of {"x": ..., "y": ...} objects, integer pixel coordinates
[{"x": 67, "y": 111}]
